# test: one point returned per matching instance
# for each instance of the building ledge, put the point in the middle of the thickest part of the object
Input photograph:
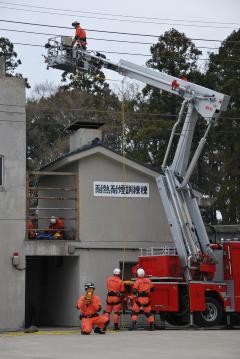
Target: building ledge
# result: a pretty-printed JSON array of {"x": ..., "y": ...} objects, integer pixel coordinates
[{"x": 49, "y": 247}]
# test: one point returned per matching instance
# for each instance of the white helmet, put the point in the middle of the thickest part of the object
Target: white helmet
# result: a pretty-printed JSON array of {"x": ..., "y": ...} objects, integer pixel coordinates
[
  {"x": 116, "y": 271},
  {"x": 53, "y": 220},
  {"x": 140, "y": 272}
]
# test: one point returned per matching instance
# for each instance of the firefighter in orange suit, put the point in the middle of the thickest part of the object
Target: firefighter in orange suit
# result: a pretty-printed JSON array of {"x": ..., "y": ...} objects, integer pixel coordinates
[
  {"x": 56, "y": 226},
  {"x": 89, "y": 306},
  {"x": 80, "y": 35},
  {"x": 31, "y": 232},
  {"x": 141, "y": 291},
  {"x": 115, "y": 287}
]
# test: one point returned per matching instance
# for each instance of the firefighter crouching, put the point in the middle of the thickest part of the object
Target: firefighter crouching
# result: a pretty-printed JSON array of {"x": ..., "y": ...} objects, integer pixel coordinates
[
  {"x": 141, "y": 291},
  {"x": 89, "y": 306},
  {"x": 115, "y": 287}
]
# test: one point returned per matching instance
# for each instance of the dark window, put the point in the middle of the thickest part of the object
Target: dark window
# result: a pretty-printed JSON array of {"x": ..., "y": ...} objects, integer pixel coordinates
[
  {"x": 1, "y": 171},
  {"x": 127, "y": 268}
]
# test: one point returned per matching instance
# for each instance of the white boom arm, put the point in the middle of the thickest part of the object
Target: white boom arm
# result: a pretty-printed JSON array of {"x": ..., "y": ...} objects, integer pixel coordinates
[{"x": 180, "y": 205}]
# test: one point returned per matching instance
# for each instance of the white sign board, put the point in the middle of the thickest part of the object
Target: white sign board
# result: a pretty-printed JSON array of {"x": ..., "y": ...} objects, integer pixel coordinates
[{"x": 120, "y": 189}]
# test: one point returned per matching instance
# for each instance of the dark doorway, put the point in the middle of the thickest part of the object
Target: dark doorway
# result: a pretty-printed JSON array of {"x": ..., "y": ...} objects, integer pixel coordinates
[{"x": 52, "y": 288}]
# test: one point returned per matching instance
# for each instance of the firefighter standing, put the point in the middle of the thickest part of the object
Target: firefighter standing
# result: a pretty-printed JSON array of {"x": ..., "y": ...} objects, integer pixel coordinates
[
  {"x": 80, "y": 35},
  {"x": 89, "y": 305},
  {"x": 115, "y": 287},
  {"x": 141, "y": 291}
]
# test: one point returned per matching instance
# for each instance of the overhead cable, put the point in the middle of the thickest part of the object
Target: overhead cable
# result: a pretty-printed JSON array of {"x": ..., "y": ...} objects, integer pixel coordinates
[
  {"x": 111, "y": 32},
  {"x": 121, "y": 15},
  {"x": 122, "y": 20},
  {"x": 121, "y": 53},
  {"x": 98, "y": 39}
]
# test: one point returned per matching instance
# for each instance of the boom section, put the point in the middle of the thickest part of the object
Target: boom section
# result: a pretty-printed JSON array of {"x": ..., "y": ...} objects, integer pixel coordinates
[
  {"x": 180, "y": 204},
  {"x": 206, "y": 102}
]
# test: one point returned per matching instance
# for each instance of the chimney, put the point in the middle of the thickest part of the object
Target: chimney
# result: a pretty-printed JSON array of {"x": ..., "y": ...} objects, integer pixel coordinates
[
  {"x": 85, "y": 133},
  {"x": 2, "y": 66}
]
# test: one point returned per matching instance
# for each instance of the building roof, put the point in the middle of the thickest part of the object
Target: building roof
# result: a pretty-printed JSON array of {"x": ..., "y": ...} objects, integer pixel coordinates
[
  {"x": 84, "y": 124},
  {"x": 97, "y": 148}
]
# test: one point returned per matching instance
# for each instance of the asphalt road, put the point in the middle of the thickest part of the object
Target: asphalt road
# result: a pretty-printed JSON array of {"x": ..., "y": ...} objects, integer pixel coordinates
[{"x": 164, "y": 344}]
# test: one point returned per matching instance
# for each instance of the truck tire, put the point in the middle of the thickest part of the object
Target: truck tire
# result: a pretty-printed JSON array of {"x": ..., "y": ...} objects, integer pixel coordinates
[
  {"x": 176, "y": 319},
  {"x": 212, "y": 315}
]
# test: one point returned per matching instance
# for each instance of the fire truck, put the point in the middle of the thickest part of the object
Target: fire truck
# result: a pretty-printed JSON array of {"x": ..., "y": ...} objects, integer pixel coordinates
[{"x": 195, "y": 282}]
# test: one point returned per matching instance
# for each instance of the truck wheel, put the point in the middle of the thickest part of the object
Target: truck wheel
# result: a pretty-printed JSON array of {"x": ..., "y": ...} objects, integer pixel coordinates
[
  {"x": 212, "y": 315},
  {"x": 176, "y": 320}
]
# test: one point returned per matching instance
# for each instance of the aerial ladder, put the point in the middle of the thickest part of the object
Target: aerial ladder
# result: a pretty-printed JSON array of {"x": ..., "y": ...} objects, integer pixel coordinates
[
  {"x": 200, "y": 282},
  {"x": 180, "y": 204}
]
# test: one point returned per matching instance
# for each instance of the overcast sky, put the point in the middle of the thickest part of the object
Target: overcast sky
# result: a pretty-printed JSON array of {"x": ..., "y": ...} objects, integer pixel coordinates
[{"x": 203, "y": 19}]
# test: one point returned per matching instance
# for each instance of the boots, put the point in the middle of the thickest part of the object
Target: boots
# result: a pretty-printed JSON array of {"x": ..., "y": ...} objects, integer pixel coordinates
[
  {"x": 97, "y": 330},
  {"x": 116, "y": 327},
  {"x": 106, "y": 325},
  {"x": 133, "y": 326},
  {"x": 151, "y": 326}
]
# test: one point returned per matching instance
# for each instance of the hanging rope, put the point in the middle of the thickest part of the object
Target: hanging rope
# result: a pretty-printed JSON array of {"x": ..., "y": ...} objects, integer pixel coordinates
[{"x": 124, "y": 179}]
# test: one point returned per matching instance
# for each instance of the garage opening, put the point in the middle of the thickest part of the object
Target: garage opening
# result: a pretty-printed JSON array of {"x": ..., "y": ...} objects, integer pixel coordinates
[{"x": 52, "y": 289}]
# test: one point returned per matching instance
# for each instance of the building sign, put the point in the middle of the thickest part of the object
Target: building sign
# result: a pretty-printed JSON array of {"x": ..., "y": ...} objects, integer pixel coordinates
[{"x": 120, "y": 189}]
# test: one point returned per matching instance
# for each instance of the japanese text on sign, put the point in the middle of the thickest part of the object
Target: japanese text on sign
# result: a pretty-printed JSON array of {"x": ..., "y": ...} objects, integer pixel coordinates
[{"x": 120, "y": 189}]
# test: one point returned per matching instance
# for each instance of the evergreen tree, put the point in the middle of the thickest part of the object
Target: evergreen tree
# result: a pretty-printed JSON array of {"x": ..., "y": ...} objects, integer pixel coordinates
[
  {"x": 176, "y": 55},
  {"x": 224, "y": 73},
  {"x": 11, "y": 61}
]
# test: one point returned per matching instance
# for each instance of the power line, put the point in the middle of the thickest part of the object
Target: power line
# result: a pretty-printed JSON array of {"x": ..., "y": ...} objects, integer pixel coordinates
[
  {"x": 112, "y": 32},
  {"x": 99, "y": 39},
  {"x": 124, "y": 16},
  {"x": 122, "y": 20},
  {"x": 118, "y": 112},
  {"x": 122, "y": 53}
]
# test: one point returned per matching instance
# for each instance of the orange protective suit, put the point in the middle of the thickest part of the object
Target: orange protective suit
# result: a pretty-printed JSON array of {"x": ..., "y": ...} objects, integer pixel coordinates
[
  {"x": 141, "y": 289},
  {"x": 115, "y": 287},
  {"x": 89, "y": 314},
  {"x": 57, "y": 227},
  {"x": 80, "y": 34},
  {"x": 31, "y": 232}
]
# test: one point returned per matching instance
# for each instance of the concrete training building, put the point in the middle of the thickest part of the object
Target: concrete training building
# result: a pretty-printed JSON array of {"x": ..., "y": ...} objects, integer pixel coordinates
[{"x": 111, "y": 209}]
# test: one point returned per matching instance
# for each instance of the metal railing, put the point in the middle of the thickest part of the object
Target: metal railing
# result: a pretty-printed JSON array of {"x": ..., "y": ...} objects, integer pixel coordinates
[
  {"x": 160, "y": 251},
  {"x": 53, "y": 193}
]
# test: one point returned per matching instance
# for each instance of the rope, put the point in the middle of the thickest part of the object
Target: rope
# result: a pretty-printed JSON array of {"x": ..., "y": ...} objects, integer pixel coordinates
[{"x": 124, "y": 179}]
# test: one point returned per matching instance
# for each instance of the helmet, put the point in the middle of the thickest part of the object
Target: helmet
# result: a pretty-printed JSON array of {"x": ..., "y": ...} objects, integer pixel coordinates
[
  {"x": 75, "y": 23},
  {"x": 116, "y": 271},
  {"x": 53, "y": 220},
  {"x": 89, "y": 285},
  {"x": 140, "y": 272}
]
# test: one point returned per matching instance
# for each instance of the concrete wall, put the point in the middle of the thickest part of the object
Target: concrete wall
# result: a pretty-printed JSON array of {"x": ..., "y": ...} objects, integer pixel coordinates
[
  {"x": 109, "y": 221},
  {"x": 84, "y": 137},
  {"x": 12, "y": 200},
  {"x": 97, "y": 264}
]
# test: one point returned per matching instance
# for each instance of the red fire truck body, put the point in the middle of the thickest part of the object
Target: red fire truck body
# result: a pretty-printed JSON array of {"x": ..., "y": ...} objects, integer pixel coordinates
[{"x": 209, "y": 301}]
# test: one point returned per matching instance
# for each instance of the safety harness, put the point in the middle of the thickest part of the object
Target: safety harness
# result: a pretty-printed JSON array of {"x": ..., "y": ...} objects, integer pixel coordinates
[{"x": 88, "y": 315}]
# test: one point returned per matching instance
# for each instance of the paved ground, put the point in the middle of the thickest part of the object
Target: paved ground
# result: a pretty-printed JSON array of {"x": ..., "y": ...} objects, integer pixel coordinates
[{"x": 164, "y": 344}]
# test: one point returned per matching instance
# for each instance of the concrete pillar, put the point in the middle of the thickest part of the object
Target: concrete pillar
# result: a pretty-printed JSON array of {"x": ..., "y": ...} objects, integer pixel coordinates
[
  {"x": 12, "y": 200},
  {"x": 2, "y": 66}
]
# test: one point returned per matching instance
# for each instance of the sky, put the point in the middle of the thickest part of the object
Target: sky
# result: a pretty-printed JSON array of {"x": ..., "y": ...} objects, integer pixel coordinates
[{"x": 205, "y": 19}]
